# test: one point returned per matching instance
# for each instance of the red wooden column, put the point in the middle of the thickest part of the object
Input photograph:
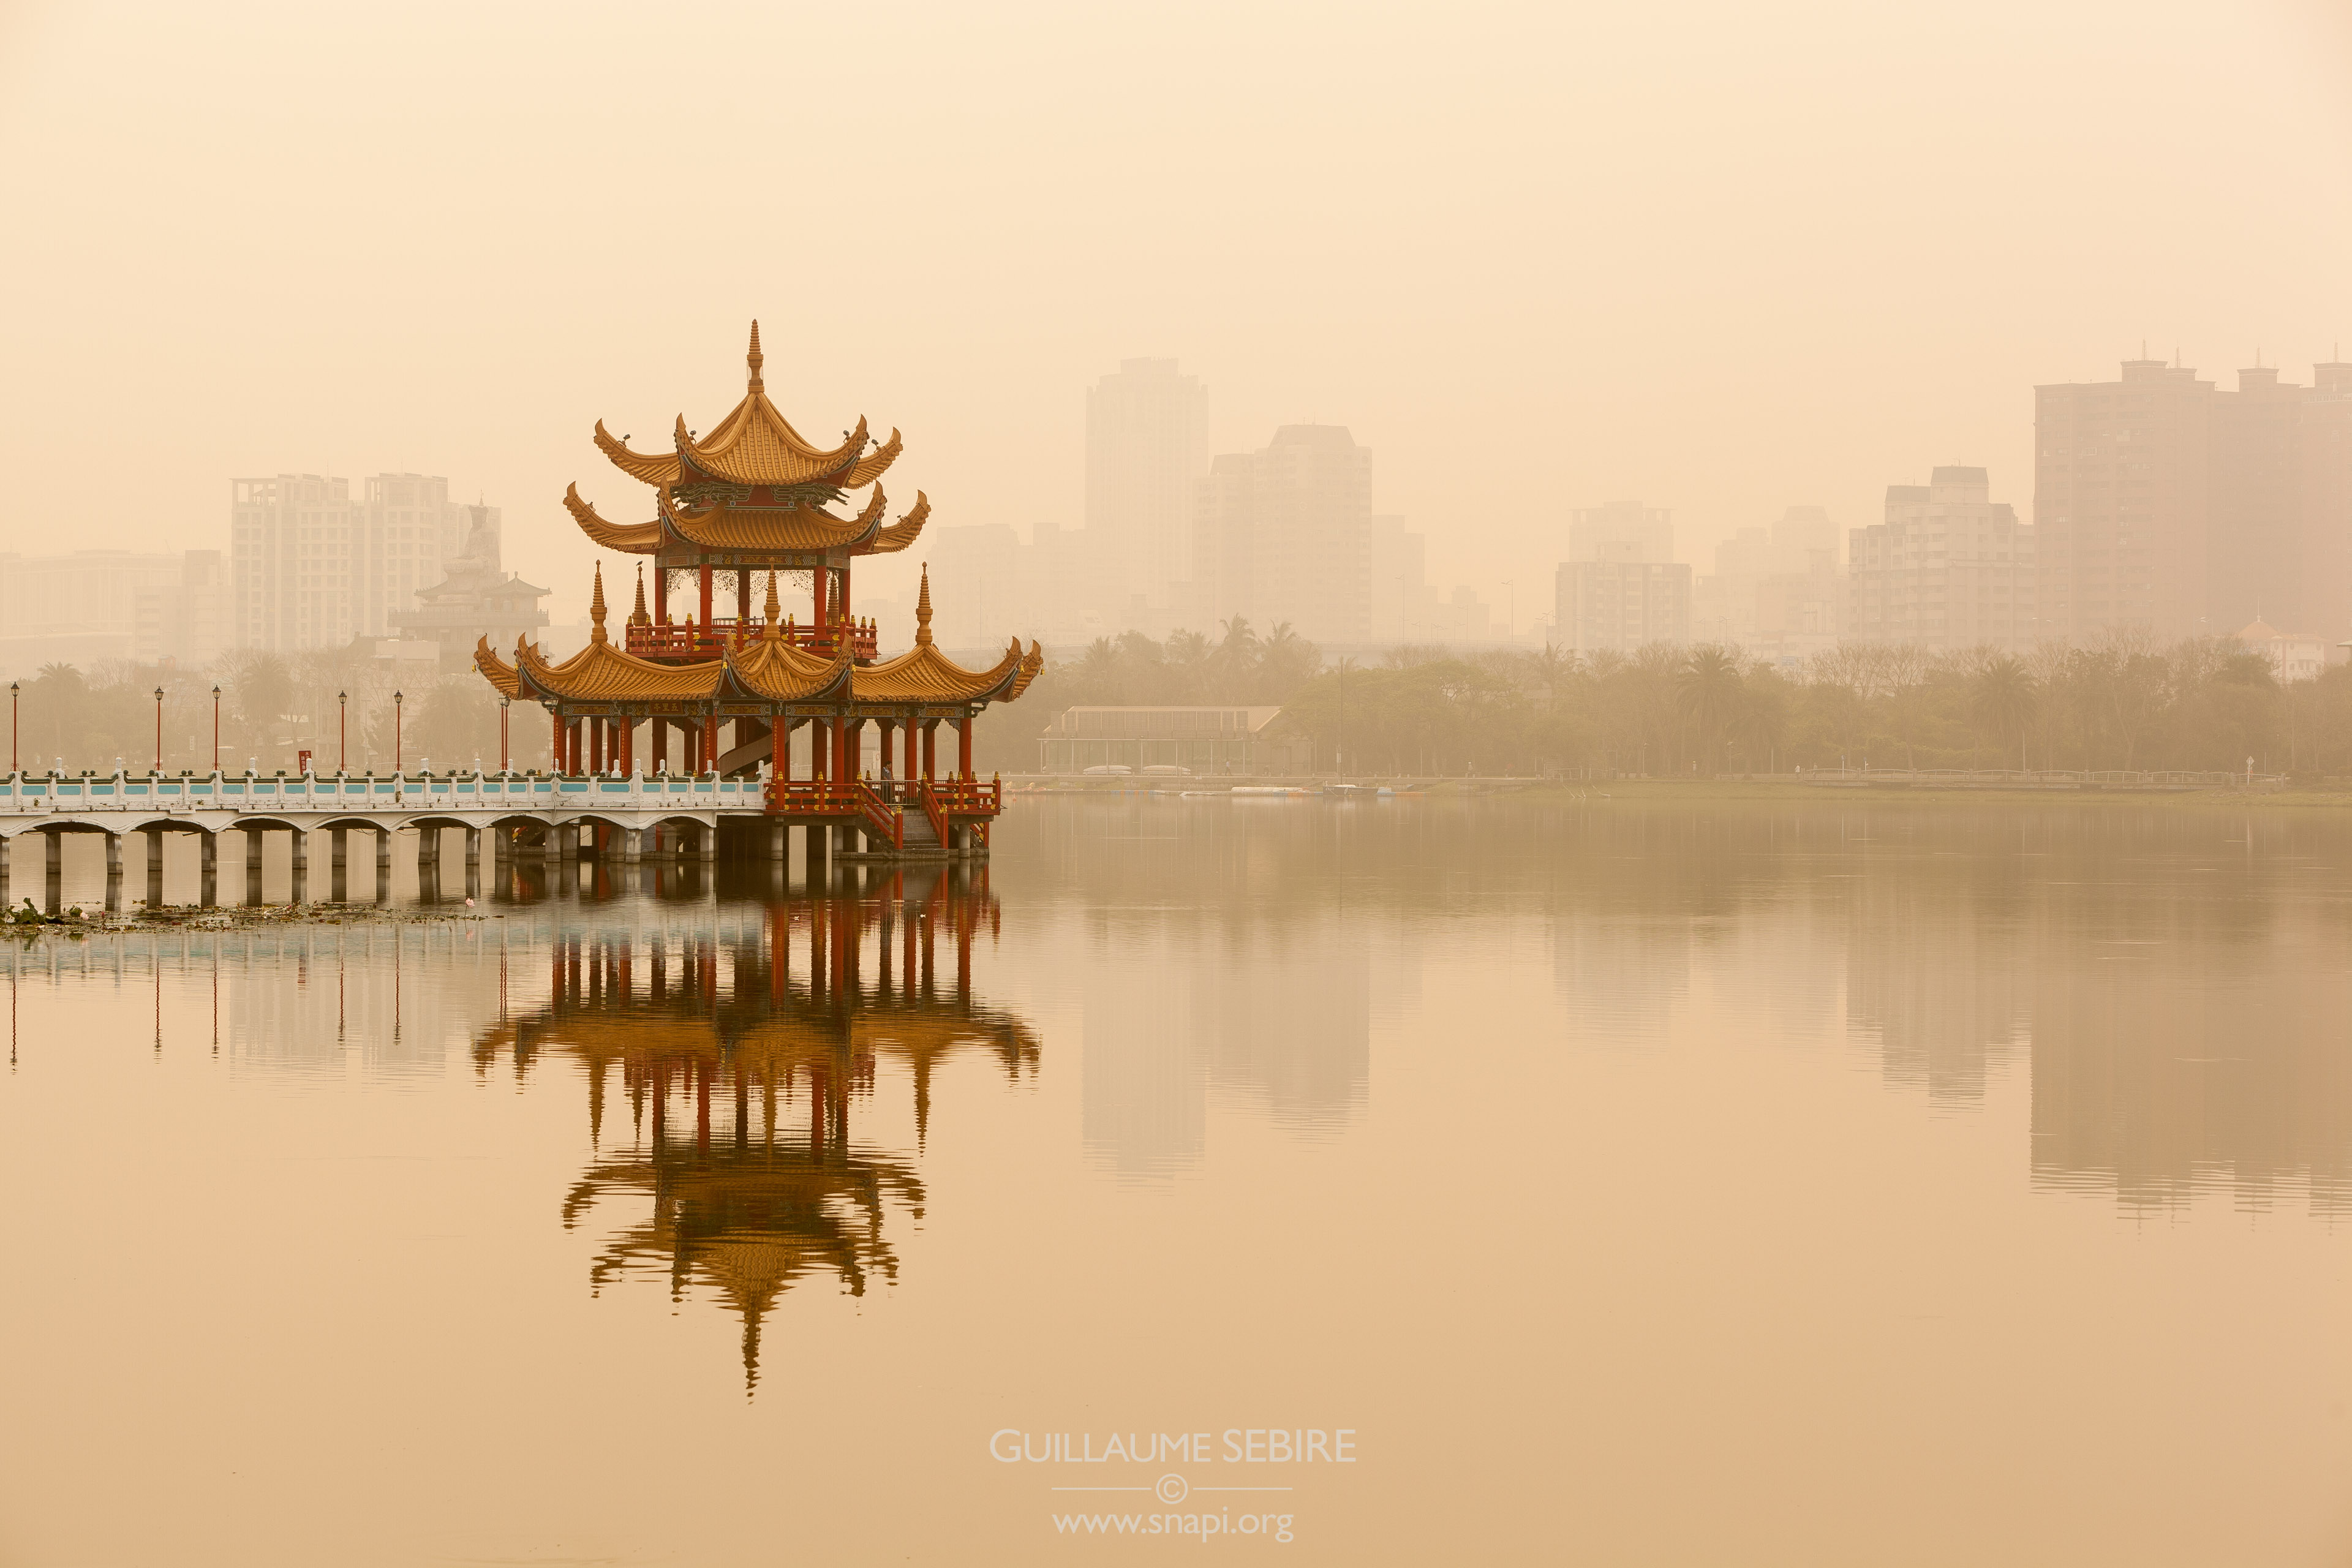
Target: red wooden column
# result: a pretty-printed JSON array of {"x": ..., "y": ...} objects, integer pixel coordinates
[
  {"x": 597, "y": 745},
  {"x": 963, "y": 748},
  {"x": 555, "y": 743},
  {"x": 628, "y": 757},
  {"x": 659, "y": 735},
  {"x": 709, "y": 742},
  {"x": 661, "y": 596},
  {"x": 930, "y": 750},
  {"x": 706, "y": 597}
]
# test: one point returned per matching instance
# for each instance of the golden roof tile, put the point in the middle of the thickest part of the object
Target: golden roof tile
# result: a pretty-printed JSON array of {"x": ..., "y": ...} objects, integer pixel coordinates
[
  {"x": 736, "y": 528},
  {"x": 637, "y": 538},
  {"x": 756, "y": 445},
  {"x": 925, "y": 675},
  {"x": 889, "y": 540}
]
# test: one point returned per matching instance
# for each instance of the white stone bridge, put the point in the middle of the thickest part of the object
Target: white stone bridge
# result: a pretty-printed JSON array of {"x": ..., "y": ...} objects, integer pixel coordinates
[{"x": 628, "y": 819}]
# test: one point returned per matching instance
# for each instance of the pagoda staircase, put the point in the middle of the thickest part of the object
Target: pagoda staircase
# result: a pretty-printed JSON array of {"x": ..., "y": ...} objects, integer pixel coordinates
[{"x": 747, "y": 757}]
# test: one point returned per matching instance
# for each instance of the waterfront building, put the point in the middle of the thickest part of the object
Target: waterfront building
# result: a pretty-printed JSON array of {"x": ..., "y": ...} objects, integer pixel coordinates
[
  {"x": 1202, "y": 739},
  {"x": 736, "y": 510},
  {"x": 1948, "y": 568}
]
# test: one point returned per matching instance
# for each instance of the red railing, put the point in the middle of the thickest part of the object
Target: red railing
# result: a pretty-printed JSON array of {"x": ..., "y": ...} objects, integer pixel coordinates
[
  {"x": 931, "y": 812},
  {"x": 965, "y": 797},
  {"x": 881, "y": 816},
  {"x": 813, "y": 798},
  {"x": 707, "y": 641}
]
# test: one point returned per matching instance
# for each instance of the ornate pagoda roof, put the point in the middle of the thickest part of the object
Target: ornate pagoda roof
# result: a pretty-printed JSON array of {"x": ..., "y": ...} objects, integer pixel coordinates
[
  {"x": 770, "y": 668},
  {"x": 755, "y": 445},
  {"x": 800, "y": 526},
  {"x": 924, "y": 674}
]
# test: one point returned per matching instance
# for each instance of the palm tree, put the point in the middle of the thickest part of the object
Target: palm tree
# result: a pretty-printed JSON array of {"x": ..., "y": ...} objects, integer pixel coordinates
[
  {"x": 2002, "y": 699},
  {"x": 1237, "y": 654},
  {"x": 1708, "y": 691}
]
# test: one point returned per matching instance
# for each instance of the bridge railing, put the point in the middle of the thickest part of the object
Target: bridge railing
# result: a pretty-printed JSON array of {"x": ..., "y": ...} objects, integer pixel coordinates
[{"x": 251, "y": 795}]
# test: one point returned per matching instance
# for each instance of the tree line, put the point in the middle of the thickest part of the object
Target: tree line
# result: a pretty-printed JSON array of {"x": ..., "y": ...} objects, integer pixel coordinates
[{"x": 2125, "y": 703}]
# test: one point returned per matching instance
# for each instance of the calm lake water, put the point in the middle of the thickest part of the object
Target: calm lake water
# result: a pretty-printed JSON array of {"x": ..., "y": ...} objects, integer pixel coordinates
[{"x": 1483, "y": 1181}]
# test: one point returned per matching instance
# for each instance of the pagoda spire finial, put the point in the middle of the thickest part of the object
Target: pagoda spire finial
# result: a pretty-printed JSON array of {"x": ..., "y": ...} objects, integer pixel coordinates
[
  {"x": 769, "y": 632},
  {"x": 597, "y": 608},
  {"x": 923, "y": 610},
  {"x": 638, "y": 617},
  {"x": 755, "y": 358}
]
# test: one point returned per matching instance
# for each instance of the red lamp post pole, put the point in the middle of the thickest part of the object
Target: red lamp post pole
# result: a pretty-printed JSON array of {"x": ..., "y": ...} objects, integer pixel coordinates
[
  {"x": 12, "y": 726},
  {"x": 342, "y": 732},
  {"x": 158, "y": 729},
  {"x": 396, "y": 701},
  {"x": 215, "y": 729},
  {"x": 505, "y": 751}
]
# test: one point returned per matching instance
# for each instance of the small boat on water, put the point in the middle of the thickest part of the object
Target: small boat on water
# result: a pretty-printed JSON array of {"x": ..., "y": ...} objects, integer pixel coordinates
[{"x": 1264, "y": 791}]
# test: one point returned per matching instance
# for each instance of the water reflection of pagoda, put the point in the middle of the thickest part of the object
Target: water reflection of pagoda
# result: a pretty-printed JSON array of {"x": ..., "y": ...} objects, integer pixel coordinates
[{"x": 741, "y": 1056}]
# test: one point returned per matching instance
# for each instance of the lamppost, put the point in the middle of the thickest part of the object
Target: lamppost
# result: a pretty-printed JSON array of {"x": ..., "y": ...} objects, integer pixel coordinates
[
  {"x": 505, "y": 703},
  {"x": 342, "y": 730},
  {"x": 12, "y": 726},
  {"x": 215, "y": 729},
  {"x": 396, "y": 701},
  {"x": 158, "y": 729}
]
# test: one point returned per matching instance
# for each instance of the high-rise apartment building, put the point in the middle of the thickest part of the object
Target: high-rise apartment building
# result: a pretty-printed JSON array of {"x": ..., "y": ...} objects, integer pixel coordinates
[
  {"x": 1951, "y": 568},
  {"x": 309, "y": 566},
  {"x": 1777, "y": 591},
  {"x": 2121, "y": 502},
  {"x": 1287, "y": 533},
  {"x": 2164, "y": 503},
  {"x": 1146, "y": 448},
  {"x": 1621, "y": 531},
  {"x": 1620, "y": 588}
]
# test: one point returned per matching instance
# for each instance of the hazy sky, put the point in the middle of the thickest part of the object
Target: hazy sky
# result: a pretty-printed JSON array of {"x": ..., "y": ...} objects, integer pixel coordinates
[{"x": 1721, "y": 257}]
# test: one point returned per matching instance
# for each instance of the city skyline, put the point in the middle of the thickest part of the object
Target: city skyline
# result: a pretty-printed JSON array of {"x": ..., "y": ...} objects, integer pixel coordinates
[{"x": 1880, "y": 318}]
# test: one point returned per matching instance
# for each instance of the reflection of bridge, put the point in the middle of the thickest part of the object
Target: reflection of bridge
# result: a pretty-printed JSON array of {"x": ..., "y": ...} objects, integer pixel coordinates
[
  {"x": 714, "y": 1041},
  {"x": 625, "y": 818}
]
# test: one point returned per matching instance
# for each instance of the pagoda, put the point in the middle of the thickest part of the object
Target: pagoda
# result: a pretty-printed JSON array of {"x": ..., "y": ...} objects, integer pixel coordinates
[{"x": 735, "y": 512}]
